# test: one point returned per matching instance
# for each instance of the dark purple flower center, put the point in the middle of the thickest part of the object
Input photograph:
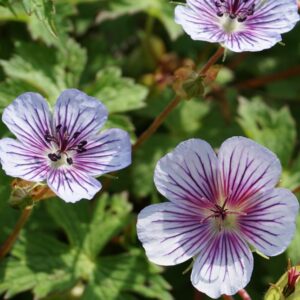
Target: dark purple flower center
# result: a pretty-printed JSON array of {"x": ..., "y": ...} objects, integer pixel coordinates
[
  {"x": 221, "y": 214},
  {"x": 235, "y": 9},
  {"x": 63, "y": 143}
]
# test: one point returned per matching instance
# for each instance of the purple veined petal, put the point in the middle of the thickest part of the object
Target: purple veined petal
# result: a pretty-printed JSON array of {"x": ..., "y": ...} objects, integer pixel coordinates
[
  {"x": 250, "y": 40},
  {"x": 72, "y": 185},
  {"x": 246, "y": 168},
  {"x": 28, "y": 117},
  {"x": 199, "y": 21},
  {"x": 252, "y": 25},
  {"x": 270, "y": 221},
  {"x": 189, "y": 174},
  {"x": 171, "y": 234},
  {"x": 224, "y": 266},
  {"x": 77, "y": 113},
  {"x": 278, "y": 16},
  {"x": 22, "y": 161},
  {"x": 109, "y": 152}
]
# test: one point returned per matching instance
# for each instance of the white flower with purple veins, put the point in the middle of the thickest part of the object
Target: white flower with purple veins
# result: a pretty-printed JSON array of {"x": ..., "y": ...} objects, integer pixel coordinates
[
  {"x": 65, "y": 149},
  {"x": 239, "y": 25},
  {"x": 220, "y": 207}
]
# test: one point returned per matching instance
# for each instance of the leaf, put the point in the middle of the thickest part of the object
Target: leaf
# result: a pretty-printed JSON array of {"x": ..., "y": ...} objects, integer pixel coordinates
[
  {"x": 91, "y": 230},
  {"x": 117, "y": 93},
  {"x": 161, "y": 10},
  {"x": 118, "y": 275},
  {"x": 44, "y": 11},
  {"x": 293, "y": 249},
  {"x": 272, "y": 128},
  {"x": 143, "y": 169},
  {"x": 122, "y": 122},
  {"x": 45, "y": 262},
  {"x": 45, "y": 70}
]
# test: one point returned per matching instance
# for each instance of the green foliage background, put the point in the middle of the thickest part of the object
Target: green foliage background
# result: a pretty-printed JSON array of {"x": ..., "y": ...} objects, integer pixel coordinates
[{"x": 124, "y": 52}]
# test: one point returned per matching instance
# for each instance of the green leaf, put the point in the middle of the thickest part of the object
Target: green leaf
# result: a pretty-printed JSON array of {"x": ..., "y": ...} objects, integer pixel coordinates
[
  {"x": 119, "y": 94},
  {"x": 44, "y": 10},
  {"x": 91, "y": 231},
  {"x": 162, "y": 10},
  {"x": 116, "y": 276},
  {"x": 272, "y": 128},
  {"x": 122, "y": 122},
  {"x": 293, "y": 249},
  {"x": 45, "y": 262},
  {"x": 143, "y": 169},
  {"x": 45, "y": 70}
]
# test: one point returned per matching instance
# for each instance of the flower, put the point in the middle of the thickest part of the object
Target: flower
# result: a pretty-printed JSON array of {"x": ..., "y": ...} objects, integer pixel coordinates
[
  {"x": 65, "y": 149},
  {"x": 219, "y": 205},
  {"x": 239, "y": 25}
]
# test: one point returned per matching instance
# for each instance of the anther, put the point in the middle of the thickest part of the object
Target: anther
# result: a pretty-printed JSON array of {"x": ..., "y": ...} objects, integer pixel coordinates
[
  {"x": 70, "y": 161},
  {"x": 81, "y": 150},
  {"x": 58, "y": 127},
  {"x": 82, "y": 144},
  {"x": 76, "y": 135},
  {"x": 53, "y": 157}
]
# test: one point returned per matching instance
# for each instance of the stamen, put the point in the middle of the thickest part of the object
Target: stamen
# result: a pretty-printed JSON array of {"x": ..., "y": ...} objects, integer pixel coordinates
[
  {"x": 239, "y": 9},
  {"x": 54, "y": 157},
  {"x": 70, "y": 161},
  {"x": 82, "y": 144}
]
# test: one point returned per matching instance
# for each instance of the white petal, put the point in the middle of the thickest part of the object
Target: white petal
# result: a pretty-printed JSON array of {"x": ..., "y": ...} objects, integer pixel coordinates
[
  {"x": 28, "y": 117},
  {"x": 270, "y": 222},
  {"x": 76, "y": 112},
  {"x": 189, "y": 173},
  {"x": 111, "y": 151},
  {"x": 200, "y": 21},
  {"x": 22, "y": 161},
  {"x": 72, "y": 185},
  {"x": 171, "y": 234},
  {"x": 223, "y": 267},
  {"x": 246, "y": 168}
]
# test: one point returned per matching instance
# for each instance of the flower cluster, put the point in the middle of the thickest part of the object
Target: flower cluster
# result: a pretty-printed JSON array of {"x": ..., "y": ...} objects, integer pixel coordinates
[
  {"x": 65, "y": 149},
  {"x": 239, "y": 25},
  {"x": 219, "y": 205}
]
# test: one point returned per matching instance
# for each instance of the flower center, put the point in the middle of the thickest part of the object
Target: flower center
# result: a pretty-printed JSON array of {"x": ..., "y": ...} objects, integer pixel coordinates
[
  {"x": 63, "y": 144},
  {"x": 223, "y": 216},
  {"x": 234, "y": 10}
]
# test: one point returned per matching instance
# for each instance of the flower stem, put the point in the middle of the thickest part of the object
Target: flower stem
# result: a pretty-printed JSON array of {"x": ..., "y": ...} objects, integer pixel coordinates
[
  {"x": 173, "y": 104},
  {"x": 244, "y": 295},
  {"x": 226, "y": 297},
  {"x": 9, "y": 242}
]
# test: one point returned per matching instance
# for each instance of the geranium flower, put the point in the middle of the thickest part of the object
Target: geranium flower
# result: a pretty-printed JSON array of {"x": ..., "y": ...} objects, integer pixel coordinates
[
  {"x": 219, "y": 205},
  {"x": 65, "y": 149},
  {"x": 239, "y": 25}
]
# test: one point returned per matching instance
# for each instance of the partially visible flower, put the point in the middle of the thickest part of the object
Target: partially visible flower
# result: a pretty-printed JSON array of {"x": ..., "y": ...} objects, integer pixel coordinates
[
  {"x": 239, "y": 25},
  {"x": 219, "y": 205},
  {"x": 65, "y": 149},
  {"x": 293, "y": 278}
]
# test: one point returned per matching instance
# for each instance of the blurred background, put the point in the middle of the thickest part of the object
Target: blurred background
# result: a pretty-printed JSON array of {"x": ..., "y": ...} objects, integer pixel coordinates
[{"x": 125, "y": 53}]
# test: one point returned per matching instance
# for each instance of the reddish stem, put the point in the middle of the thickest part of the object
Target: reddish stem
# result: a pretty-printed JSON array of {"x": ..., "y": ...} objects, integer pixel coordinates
[
  {"x": 226, "y": 297},
  {"x": 263, "y": 80},
  {"x": 173, "y": 104},
  {"x": 9, "y": 242},
  {"x": 244, "y": 295}
]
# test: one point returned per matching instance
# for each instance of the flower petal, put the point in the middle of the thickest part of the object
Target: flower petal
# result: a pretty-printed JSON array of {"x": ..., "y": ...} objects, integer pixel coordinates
[
  {"x": 200, "y": 21},
  {"x": 72, "y": 185},
  {"x": 28, "y": 117},
  {"x": 270, "y": 221},
  {"x": 171, "y": 234},
  {"x": 76, "y": 112},
  {"x": 188, "y": 174},
  {"x": 246, "y": 168},
  {"x": 111, "y": 151},
  {"x": 28, "y": 163},
  {"x": 224, "y": 266}
]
